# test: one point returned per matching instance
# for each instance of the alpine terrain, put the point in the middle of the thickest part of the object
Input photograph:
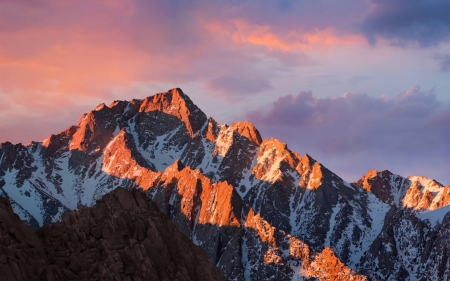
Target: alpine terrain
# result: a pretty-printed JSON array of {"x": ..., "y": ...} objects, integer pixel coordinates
[{"x": 258, "y": 209}]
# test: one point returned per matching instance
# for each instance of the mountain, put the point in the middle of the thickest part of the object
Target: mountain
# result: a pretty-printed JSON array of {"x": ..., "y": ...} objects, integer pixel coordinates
[
  {"x": 415, "y": 192},
  {"x": 413, "y": 243},
  {"x": 259, "y": 210},
  {"x": 122, "y": 237}
]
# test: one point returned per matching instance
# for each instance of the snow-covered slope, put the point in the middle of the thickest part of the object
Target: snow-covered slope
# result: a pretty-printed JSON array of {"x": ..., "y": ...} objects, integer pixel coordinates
[{"x": 260, "y": 210}]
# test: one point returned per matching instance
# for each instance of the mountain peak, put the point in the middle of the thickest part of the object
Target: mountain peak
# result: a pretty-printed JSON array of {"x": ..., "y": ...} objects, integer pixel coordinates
[
  {"x": 100, "y": 107},
  {"x": 414, "y": 192},
  {"x": 248, "y": 130},
  {"x": 424, "y": 181},
  {"x": 375, "y": 174},
  {"x": 383, "y": 184},
  {"x": 174, "y": 102},
  {"x": 307, "y": 162}
]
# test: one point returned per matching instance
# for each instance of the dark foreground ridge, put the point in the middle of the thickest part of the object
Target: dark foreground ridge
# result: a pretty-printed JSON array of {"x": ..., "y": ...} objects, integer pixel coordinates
[{"x": 122, "y": 237}]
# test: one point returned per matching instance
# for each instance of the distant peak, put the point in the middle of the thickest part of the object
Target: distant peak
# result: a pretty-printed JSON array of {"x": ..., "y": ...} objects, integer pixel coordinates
[
  {"x": 247, "y": 130},
  {"x": 418, "y": 178},
  {"x": 275, "y": 143},
  {"x": 167, "y": 100},
  {"x": 374, "y": 173},
  {"x": 178, "y": 92},
  {"x": 371, "y": 174},
  {"x": 118, "y": 103},
  {"x": 308, "y": 161},
  {"x": 307, "y": 156},
  {"x": 174, "y": 102},
  {"x": 212, "y": 129},
  {"x": 424, "y": 181},
  {"x": 83, "y": 117},
  {"x": 100, "y": 107}
]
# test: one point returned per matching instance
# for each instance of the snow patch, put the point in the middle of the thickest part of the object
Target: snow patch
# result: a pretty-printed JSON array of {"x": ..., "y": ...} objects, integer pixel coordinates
[
  {"x": 377, "y": 211},
  {"x": 335, "y": 211},
  {"x": 434, "y": 217}
]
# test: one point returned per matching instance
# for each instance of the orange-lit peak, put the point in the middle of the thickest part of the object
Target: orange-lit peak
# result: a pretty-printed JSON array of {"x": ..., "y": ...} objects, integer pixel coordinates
[
  {"x": 212, "y": 130},
  {"x": 247, "y": 130},
  {"x": 174, "y": 102},
  {"x": 307, "y": 162},
  {"x": 371, "y": 174},
  {"x": 262, "y": 227},
  {"x": 273, "y": 144},
  {"x": 374, "y": 173}
]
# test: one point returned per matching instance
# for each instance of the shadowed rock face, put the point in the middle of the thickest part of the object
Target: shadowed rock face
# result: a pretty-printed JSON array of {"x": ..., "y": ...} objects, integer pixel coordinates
[{"x": 122, "y": 237}]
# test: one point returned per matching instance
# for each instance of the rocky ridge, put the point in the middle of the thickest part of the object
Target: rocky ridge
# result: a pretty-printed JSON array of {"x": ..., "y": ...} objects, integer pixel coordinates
[
  {"x": 122, "y": 237},
  {"x": 415, "y": 192},
  {"x": 259, "y": 210}
]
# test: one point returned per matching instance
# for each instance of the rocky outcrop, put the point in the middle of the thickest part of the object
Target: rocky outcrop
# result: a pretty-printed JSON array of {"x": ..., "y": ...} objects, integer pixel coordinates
[
  {"x": 415, "y": 192},
  {"x": 22, "y": 254},
  {"x": 122, "y": 237},
  {"x": 384, "y": 185}
]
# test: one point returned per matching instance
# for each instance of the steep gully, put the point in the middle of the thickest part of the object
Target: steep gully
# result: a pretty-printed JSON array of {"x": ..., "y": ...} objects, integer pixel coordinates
[{"x": 259, "y": 210}]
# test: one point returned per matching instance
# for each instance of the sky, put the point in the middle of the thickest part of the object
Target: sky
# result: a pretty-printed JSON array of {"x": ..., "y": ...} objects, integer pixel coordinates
[{"x": 356, "y": 84}]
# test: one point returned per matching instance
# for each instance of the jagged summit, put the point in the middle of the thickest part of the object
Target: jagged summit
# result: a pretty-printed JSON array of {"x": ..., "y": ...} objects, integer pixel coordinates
[
  {"x": 248, "y": 130},
  {"x": 383, "y": 184},
  {"x": 176, "y": 103},
  {"x": 413, "y": 192},
  {"x": 96, "y": 128}
]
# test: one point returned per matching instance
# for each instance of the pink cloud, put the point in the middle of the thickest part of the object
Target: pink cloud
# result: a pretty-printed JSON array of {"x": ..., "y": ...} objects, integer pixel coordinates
[
  {"x": 316, "y": 39},
  {"x": 90, "y": 47},
  {"x": 55, "y": 53}
]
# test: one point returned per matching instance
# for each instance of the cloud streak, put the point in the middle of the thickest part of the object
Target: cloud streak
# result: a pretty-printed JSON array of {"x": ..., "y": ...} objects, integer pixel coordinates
[{"x": 408, "y": 134}]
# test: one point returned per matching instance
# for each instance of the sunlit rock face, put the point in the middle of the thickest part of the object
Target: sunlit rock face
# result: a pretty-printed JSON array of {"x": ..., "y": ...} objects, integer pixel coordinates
[
  {"x": 122, "y": 237},
  {"x": 415, "y": 192},
  {"x": 258, "y": 209}
]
